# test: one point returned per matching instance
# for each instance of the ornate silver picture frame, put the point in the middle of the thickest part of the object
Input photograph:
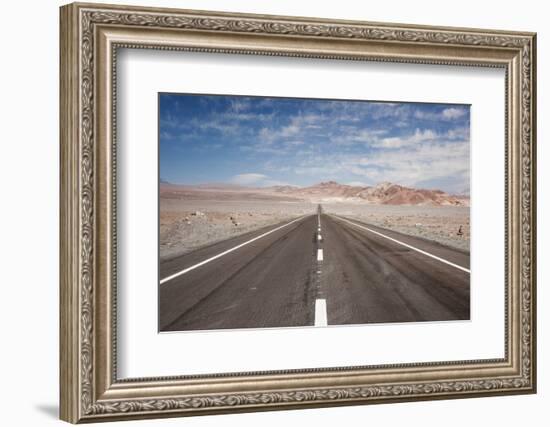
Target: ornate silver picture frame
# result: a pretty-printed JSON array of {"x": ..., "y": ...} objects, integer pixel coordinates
[{"x": 91, "y": 36}]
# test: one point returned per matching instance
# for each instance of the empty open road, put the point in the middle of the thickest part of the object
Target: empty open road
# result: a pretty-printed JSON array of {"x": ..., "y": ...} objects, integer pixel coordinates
[{"x": 315, "y": 270}]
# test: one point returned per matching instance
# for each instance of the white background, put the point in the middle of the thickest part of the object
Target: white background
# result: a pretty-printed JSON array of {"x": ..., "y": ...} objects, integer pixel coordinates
[
  {"x": 29, "y": 171},
  {"x": 145, "y": 353}
]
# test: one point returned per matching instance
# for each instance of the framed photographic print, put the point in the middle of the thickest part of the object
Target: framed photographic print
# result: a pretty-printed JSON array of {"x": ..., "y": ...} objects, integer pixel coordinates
[{"x": 265, "y": 212}]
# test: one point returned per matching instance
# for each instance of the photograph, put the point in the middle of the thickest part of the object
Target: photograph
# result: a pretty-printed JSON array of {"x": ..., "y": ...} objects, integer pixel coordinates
[{"x": 288, "y": 212}]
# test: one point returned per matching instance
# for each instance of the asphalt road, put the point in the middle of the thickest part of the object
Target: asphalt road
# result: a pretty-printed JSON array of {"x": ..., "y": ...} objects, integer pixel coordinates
[{"x": 285, "y": 275}]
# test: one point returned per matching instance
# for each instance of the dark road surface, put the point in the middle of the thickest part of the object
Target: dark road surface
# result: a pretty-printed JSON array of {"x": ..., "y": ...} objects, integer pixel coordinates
[{"x": 280, "y": 279}]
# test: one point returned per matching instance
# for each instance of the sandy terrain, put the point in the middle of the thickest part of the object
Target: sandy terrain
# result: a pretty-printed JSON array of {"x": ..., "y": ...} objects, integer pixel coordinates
[
  {"x": 191, "y": 218},
  {"x": 438, "y": 223},
  {"x": 189, "y": 223}
]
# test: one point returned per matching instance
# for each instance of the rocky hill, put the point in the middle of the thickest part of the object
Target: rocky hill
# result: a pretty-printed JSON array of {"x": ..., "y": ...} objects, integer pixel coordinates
[{"x": 383, "y": 194}]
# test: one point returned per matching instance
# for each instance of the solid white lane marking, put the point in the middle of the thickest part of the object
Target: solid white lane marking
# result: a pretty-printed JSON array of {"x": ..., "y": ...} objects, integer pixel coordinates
[
  {"x": 319, "y": 237},
  {"x": 206, "y": 261},
  {"x": 321, "y": 312},
  {"x": 319, "y": 255},
  {"x": 444, "y": 261}
]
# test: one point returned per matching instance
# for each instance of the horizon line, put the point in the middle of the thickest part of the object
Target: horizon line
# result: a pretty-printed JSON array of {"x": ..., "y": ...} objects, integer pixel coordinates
[{"x": 250, "y": 186}]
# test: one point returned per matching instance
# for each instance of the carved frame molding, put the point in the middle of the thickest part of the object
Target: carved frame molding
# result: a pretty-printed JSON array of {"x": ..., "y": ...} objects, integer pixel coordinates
[{"x": 90, "y": 36}]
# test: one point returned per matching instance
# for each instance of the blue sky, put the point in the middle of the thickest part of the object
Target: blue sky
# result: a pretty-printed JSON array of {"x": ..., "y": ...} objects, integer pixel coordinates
[{"x": 260, "y": 141}]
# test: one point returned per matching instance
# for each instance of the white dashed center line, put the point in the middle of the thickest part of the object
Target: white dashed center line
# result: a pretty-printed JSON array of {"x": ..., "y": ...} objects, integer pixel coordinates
[
  {"x": 319, "y": 255},
  {"x": 320, "y": 312},
  {"x": 320, "y": 303}
]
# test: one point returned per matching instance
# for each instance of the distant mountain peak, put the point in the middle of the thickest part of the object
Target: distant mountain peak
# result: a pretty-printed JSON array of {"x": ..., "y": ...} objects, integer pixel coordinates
[{"x": 384, "y": 193}]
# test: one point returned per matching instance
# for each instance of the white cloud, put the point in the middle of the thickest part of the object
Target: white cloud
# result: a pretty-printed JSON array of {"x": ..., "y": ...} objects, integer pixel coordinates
[
  {"x": 398, "y": 141},
  {"x": 242, "y": 116},
  {"x": 453, "y": 113},
  {"x": 425, "y": 115},
  {"x": 384, "y": 110},
  {"x": 266, "y": 134},
  {"x": 289, "y": 130},
  {"x": 459, "y": 133},
  {"x": 294, "y": 143},
  {"x": 415, "y": 164},
  {"x": 220, "y": 125},
  {"x": 323, "y": 172},
  {"x": 239, "y": 105},
  {"x": 357, "y": 184},
  {"x": 352, "y": 135},
  {"x": 255, "y": 180},
  {"x": 248, "y": 178},
  {"x": 450, "y": 113},
  {"x": 298, "y": 126}
]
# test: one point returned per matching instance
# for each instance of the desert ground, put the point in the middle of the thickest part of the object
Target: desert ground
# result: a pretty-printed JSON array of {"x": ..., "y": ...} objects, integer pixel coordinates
[
  {"x": 437, "y": 223},
  {"x": 191, "y": 218}
]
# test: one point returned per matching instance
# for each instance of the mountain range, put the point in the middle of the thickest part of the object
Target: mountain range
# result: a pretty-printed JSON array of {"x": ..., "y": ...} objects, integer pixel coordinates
[{"x": 385, "y": 193}]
